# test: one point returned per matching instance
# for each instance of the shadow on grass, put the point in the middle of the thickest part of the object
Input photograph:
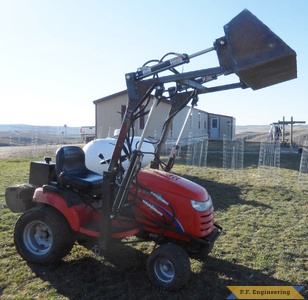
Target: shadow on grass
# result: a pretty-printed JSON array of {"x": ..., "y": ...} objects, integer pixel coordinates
[
  {"x": 118, "y": 275},
  {"x": 123, "y": 276},
  {"x": 225, "y": 195},
  {"x": 217, "y": 274}
]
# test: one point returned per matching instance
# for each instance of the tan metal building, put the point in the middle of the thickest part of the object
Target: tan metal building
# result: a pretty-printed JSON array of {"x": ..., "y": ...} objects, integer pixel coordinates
[{"x": 109, "y": 113}]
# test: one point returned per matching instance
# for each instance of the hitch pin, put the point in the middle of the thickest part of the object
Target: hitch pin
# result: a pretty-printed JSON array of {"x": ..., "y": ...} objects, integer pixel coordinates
[{"x": 96, "y": 250}]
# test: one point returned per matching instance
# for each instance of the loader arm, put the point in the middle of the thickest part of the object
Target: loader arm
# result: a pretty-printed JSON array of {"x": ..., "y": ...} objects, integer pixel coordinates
[{"x": 249, "y": 49}]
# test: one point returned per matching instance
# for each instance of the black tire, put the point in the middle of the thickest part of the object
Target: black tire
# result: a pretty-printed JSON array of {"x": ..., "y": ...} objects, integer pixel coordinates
[
  {"x": 43, "y": 236},
  {"x": 198, "y": 251},
  {"x": 168, "y": 266}
]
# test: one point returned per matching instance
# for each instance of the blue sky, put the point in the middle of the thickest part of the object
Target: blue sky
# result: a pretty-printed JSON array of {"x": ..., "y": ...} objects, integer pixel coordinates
[{"x": 56, "y": 57}]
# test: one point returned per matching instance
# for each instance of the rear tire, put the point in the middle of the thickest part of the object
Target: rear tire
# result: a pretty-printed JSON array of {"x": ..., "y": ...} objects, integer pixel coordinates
[
  {"x": 43, "y": 236},
  {"x": 168, "y": 266}
]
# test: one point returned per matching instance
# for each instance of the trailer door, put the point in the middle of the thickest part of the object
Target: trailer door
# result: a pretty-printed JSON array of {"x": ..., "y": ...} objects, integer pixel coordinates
[{"x": 214, "y": 130}]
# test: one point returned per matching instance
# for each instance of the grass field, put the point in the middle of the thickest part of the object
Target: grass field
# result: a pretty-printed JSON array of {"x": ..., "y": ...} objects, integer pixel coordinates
[{"x": 264, "y": 242}]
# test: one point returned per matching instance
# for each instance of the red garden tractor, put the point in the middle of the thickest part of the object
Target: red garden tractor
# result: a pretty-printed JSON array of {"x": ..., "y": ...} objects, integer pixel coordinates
[{"x": 65, "y": 202}]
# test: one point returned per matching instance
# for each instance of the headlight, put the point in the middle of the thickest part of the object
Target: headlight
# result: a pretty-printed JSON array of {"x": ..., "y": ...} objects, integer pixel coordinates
[{"x": 201, "y": 205}]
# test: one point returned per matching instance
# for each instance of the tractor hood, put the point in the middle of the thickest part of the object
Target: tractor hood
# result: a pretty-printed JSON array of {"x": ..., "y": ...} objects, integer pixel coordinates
[{"x": 159, "y": 181}]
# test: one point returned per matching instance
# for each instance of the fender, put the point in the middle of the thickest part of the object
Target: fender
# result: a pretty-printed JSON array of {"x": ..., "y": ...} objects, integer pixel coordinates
[{"x": 76, "y": 215}]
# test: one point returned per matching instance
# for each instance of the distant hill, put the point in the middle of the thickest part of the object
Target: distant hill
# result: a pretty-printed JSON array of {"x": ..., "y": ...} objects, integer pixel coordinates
[
  {"x": 255, "y": 133},
  {"x": 252, "y": 128},
  {"x": 20, "y": 134},
  {"x": 50, "y": 129}
]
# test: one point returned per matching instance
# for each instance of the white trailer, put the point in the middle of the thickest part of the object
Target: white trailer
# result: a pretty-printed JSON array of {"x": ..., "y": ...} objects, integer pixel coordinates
[{"x": 87, "y": 133}]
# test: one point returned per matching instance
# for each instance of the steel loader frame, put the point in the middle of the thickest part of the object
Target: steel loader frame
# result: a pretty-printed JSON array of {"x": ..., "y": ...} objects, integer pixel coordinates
[{"x": 249, "y": 49}]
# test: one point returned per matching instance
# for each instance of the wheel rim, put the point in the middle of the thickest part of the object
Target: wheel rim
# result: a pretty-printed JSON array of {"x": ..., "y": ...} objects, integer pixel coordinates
[
  {"x": 37, "y": 237},
  {"x": 164, "y": 270}
]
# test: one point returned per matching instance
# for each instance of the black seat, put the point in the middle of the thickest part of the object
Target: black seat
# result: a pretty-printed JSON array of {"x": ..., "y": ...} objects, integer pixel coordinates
[{"x": 72, "y": 171}]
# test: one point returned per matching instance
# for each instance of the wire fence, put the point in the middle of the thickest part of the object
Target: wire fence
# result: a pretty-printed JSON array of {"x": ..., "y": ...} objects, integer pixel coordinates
[
  {"x": 233, "y": 156},
  {"x": 193, "y": 151},
  {"x": 303, "y": 169},
  {"x": 34, "y": 141},
  {"x": 197, "y": 149},
  {"x": 269, "y": 160}
]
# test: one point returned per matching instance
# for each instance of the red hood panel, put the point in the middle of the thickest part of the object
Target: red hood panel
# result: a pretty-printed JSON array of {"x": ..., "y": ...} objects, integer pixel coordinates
[{"x": 163, "y": 181}]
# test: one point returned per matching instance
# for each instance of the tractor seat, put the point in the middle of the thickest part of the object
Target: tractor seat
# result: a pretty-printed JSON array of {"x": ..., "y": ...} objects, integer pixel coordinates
[{"x": 72, "y": 171}]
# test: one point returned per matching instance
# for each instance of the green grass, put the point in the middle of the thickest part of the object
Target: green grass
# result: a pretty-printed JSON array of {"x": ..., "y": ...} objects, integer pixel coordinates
[{"x": 264, "y": 242}]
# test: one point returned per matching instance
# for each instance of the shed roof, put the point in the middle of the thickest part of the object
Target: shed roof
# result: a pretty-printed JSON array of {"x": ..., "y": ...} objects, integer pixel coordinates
[
  {"x": 120, "y": 94},
  {"x": 110, "y": 97},
  {"x": 164, "y": 100}
]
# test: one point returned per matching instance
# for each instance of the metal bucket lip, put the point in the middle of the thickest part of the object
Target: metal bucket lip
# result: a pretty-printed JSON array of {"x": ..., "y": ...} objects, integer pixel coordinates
[{"x": 257, "y": 55}]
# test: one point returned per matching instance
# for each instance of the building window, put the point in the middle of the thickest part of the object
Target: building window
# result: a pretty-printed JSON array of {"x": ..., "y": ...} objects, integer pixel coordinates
[
  {"x": 215, "y": 123},
  {"x": 204, "y": 124},
  {"x": 141, "y": 119},
  {"x": 191, "y": 121},
  {"x": 123, "y": 110},
  {"x": 199, "y": 120}
]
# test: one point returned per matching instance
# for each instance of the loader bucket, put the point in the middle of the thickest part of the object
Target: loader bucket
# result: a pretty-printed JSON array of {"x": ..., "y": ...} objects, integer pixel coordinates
[{"x": 254, "y": 53}]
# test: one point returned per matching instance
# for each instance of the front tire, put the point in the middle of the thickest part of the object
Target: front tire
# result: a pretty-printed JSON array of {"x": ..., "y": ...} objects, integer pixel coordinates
[
  {"x": 43, "y": 236},
  {"x": 168, "y": 266},
  {"x": 199, "y": 251}
]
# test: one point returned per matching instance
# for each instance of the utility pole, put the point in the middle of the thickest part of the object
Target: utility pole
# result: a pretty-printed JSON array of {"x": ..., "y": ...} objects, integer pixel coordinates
[{"x": 283, "y": 123}]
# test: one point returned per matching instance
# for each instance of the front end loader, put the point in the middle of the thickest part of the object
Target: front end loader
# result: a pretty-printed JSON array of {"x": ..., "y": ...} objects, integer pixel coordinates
[{"x": 65, "y": 202}]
